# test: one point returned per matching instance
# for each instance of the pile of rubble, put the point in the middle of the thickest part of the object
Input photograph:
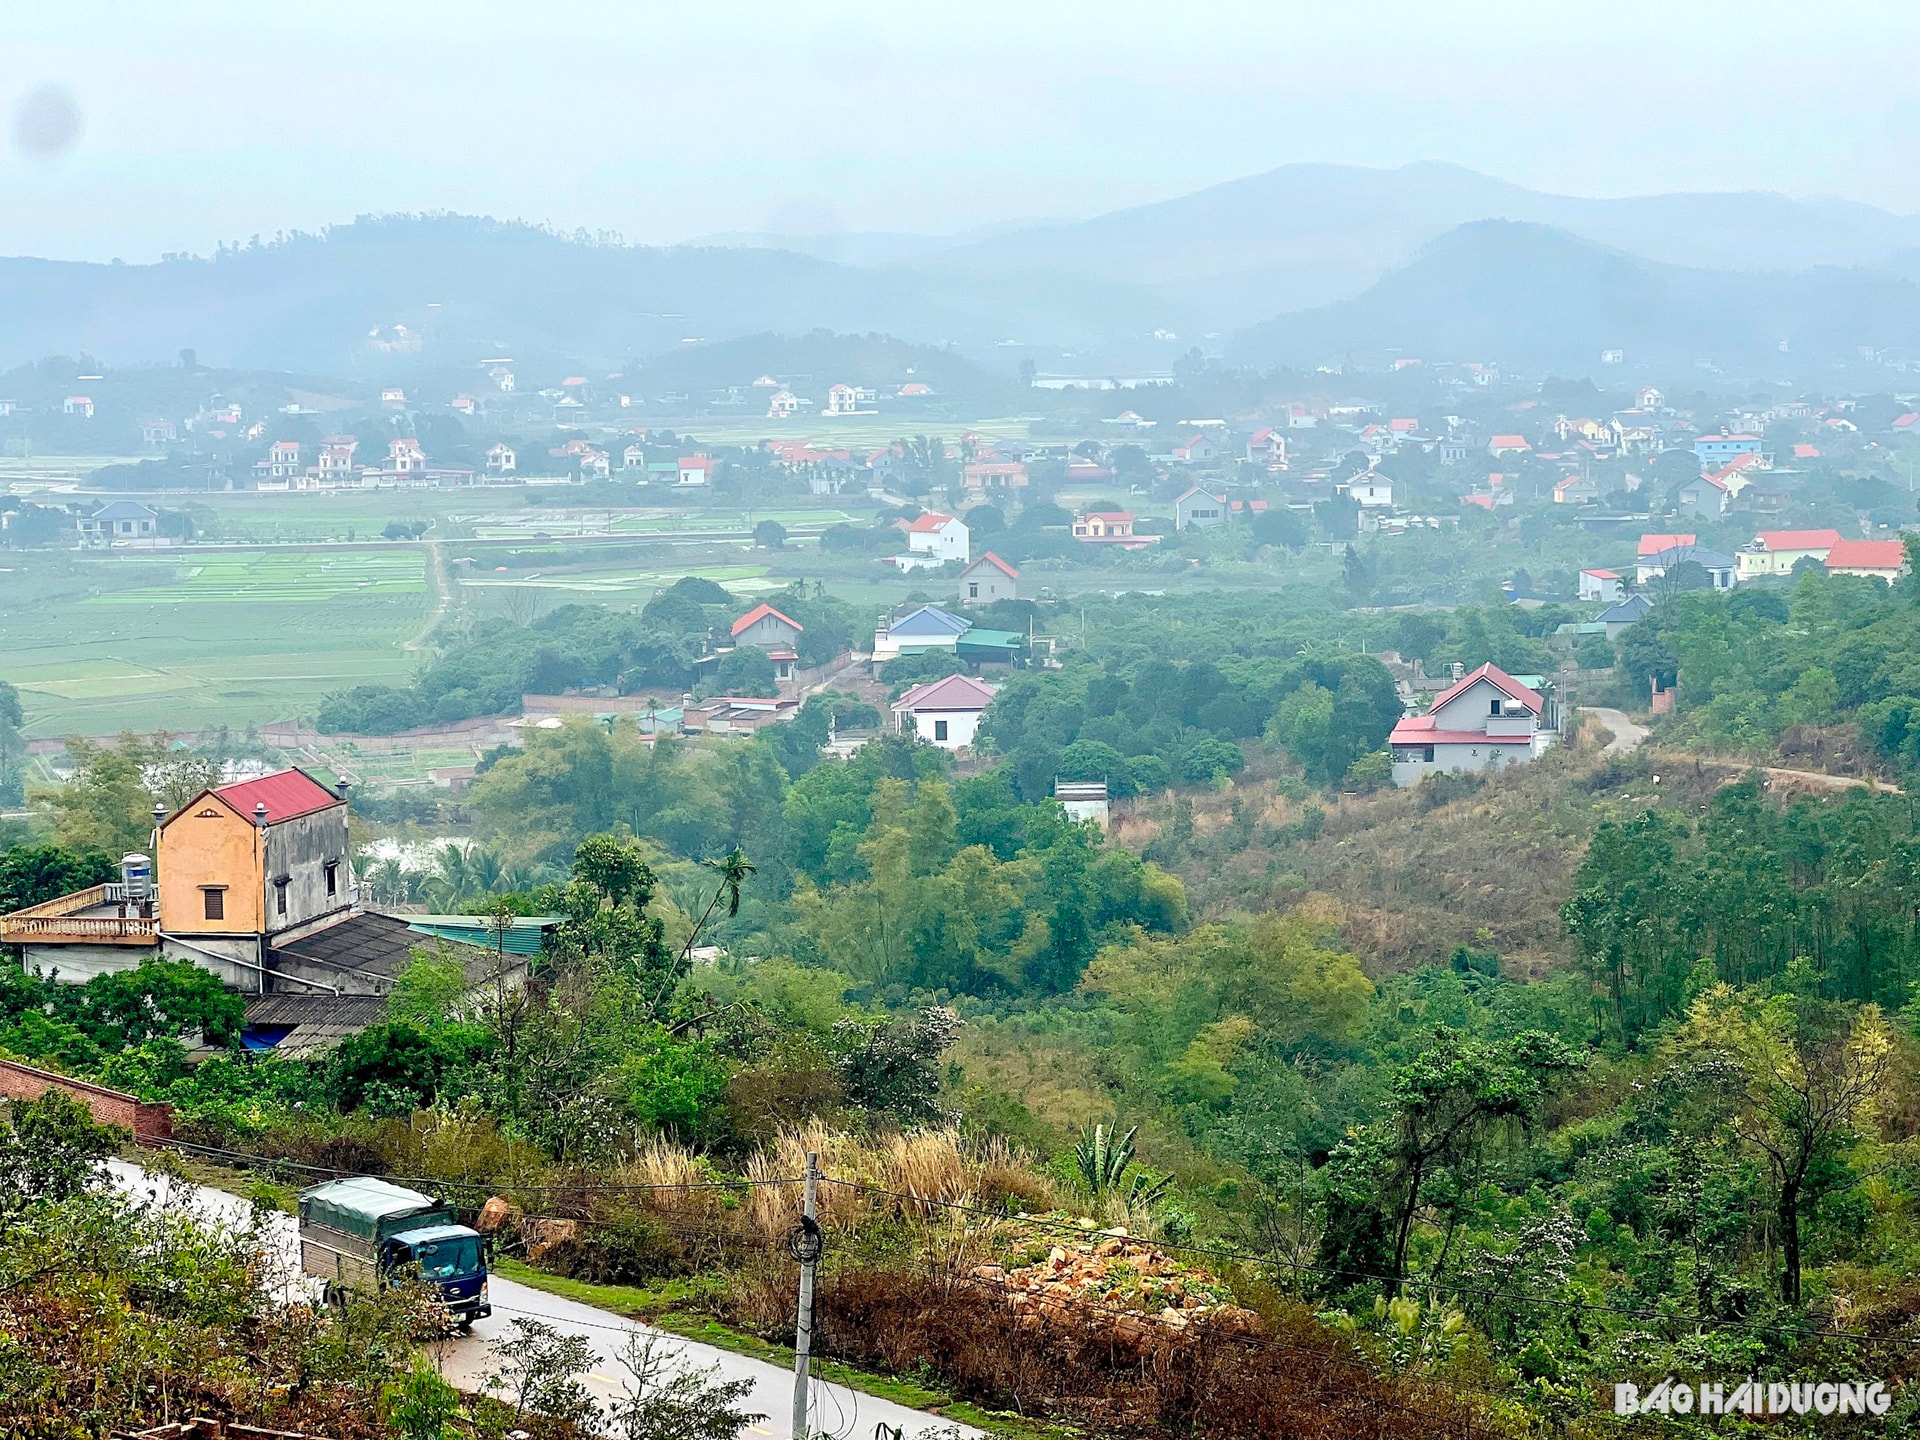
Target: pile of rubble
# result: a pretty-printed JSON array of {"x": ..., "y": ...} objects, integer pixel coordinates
[{"x": 1139, "y": 1290}]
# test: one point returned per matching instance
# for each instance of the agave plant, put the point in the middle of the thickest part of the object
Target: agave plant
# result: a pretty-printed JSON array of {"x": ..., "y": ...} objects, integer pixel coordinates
[{"x": 1103, "y": 1158}]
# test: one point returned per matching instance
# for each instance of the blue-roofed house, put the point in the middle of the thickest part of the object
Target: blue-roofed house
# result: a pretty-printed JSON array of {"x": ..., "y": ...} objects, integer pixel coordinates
[{"x": 917, "y": 632}]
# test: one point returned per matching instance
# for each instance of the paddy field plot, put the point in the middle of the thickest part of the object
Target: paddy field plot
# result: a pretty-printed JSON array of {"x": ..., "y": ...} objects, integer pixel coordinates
[{"x": 196, "y": 639}]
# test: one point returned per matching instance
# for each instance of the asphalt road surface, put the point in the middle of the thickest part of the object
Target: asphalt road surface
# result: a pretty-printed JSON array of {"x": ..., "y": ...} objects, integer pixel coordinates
[{"x": 836, "y": 1410}]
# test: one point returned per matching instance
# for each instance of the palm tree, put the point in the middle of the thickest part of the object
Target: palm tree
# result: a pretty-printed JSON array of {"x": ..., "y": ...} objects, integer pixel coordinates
[{"x": 734, "y": 868}]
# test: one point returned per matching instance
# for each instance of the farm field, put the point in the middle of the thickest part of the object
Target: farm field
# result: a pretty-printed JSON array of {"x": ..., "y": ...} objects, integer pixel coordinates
[{"x": 180, "y": 643}]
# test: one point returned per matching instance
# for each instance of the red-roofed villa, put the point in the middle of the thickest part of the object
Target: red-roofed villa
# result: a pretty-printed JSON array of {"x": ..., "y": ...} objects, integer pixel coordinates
[{"x": 1484, "y": 721}]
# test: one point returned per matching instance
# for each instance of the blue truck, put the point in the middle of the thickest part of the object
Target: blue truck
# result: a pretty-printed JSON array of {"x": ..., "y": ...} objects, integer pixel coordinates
[{"x": 363, "y": 1234}]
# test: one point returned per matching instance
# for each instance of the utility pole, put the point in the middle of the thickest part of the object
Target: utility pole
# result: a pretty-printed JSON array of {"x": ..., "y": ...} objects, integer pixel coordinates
[{"x": 806, "y": 1246}]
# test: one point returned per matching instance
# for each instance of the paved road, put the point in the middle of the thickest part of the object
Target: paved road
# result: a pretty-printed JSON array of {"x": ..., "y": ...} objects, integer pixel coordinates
[
  {"x": 1627, "y": 735},
  {"x": 837, "y": 1410}
]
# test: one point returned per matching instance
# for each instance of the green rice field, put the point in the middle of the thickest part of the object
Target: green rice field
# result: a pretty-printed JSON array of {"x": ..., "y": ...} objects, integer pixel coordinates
[{"x": 183, "y": 642}]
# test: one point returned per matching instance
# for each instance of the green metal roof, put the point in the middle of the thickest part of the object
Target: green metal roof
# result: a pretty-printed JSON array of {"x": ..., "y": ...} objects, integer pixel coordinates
[{"x": 525, "y": 933}]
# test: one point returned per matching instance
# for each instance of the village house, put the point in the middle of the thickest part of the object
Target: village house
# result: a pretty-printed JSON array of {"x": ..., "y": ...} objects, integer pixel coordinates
[
  {"x": 777, "y": 634},
  {"x": 393, "y": 399},
  {"x": 126, "y": 523},
  {"x": 81, "y": 405},
  {"x": 1576, "y": 490},
  {"x": 1198, "y": 509},
  {"x": 501, "y": 459},
  {"x": 782, "y": 404},
  {"x": 1878, "y": 559},
  {"x": 595, "y": 464},
  {"x": 850, "y": 400},
  {"x": 1268, "y": 446},
  {"x": 1723, "y": 571},
  {"x": 694, "y": 470},
  {"x": 1776, "y": 552},
  {"x": 405, "y": 457},
  {"x": 1706, "y": 496},
  {"x": 283, "y": 460},
  {"x": 1623, "y": 614},
  {"x": 1601, "y": 585},
  {"x": 945, "y": 712},
  {"x": 634, "y": 458},
  {"x": 1508, "y": 445},
  {"x": 1110, "y": 527},
  {"x": 1484, "y": 721},
  {"x": 335, "y": 464},
  {"x": 1370, "y": 490},
  {"x": 939, "y": 538},
  {"x": 1714, "y": 451},
  {"x": 915, "y": 390},
  {"x": 988, "y": 579},
  {"x": 989, "y": 475},
  {"x": 156, "y": 432},
  {"x": 915, "y": 633},
  {"x": 1197, "y": 449}
]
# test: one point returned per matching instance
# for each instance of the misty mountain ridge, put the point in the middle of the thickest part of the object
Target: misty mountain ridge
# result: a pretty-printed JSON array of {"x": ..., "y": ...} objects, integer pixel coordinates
[
  {"x": 1537, "y": 296},
  {"x": 384, "y": 294}
]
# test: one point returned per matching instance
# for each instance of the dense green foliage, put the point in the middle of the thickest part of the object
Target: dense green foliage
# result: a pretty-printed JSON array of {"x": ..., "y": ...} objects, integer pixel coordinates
[{"x": 488, "y": 669}]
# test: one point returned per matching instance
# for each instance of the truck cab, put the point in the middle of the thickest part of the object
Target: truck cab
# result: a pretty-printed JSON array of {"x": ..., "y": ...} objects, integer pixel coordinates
[{"x": 363, "y": 1233}]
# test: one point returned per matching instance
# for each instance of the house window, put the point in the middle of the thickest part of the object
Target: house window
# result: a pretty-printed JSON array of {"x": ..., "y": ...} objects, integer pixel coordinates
[
  {"x": 939, "y": 729},
  {"x": 1494, "y": 708},
  {"x": 215, "y": 900},
  {"x": 333, "y": 878},
  {"x": 280, "y": 897},
  {"x": 973, "y": 591}
]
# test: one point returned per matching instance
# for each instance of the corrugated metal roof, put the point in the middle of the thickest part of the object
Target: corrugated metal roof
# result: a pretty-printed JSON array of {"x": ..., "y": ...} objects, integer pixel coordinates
[
  {"x": 524, "y": 936},
  {"x": 287, "y": 794}
]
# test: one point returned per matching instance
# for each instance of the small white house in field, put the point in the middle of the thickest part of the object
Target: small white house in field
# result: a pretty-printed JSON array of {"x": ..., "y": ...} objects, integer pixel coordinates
[
  {"x": 946, "y": 712},
  {"x": 1484, "y": 721}
]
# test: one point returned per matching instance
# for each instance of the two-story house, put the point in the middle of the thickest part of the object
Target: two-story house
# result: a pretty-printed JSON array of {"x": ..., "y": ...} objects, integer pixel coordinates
[
  {"x": 1483, "y": 721},
  {"x": 1110, "y": 527}
]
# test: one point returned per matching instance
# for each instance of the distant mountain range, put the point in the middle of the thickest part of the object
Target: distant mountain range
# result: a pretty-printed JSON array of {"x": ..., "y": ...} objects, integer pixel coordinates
[
  {"x": 1427, "y": 258},
  {"x": 1543, "y": 298}
]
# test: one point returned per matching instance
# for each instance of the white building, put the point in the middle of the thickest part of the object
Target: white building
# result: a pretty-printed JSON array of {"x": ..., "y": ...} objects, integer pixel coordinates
[
  {"x": 1601, "y": 585},
  {"x": 946, "y": 712},
  {"x": 941, "y": 538},
  {"x": 1084, "y": 800},
  {"x": 1483, "y": 721}
]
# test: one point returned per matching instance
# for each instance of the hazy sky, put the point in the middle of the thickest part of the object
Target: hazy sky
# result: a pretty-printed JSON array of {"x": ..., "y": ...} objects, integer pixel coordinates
[{"x": 209, "y": 120}]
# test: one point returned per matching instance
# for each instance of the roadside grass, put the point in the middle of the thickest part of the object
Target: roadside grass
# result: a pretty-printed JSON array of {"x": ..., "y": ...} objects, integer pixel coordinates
[{"x": 659, "y": 1306}]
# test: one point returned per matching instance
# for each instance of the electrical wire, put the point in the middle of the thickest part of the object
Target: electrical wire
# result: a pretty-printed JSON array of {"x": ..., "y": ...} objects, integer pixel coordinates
[{"x": 1481, "y": 1292}]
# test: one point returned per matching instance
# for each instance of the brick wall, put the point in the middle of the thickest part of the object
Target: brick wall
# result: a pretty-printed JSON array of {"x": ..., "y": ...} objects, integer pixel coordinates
[{"x": 148, "y": 1122}]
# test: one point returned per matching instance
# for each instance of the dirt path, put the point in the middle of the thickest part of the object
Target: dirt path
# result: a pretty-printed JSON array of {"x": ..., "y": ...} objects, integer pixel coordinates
[
  {"x": 1627, "y": 733},
  {"x": 1818, "y": 778},
  {"x": 442, "y": 584}
]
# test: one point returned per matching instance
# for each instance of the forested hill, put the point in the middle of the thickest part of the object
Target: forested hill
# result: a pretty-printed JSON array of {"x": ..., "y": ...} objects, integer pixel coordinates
[
  {"x": 464, "y": 287},
  {"x": 1537, "y": 296}
]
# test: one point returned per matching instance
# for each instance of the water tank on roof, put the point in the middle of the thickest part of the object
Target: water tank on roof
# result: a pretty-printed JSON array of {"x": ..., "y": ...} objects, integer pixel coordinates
[{"x": 136, "y": 873}]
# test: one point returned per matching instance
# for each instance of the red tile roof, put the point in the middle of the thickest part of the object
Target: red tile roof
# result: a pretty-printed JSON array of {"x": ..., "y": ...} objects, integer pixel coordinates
[
  {"x": 1511, "y": 442},
  {"x": 1657, "y": 544},
  {"x": 1867, "y": 555},
  {"x": 1601, "y": 574},
  {"x": 759, "y": 613},
  {"x": 1492, "y": 673},
  {"x": 287, "y": 794},
  {"x": 1806, "y": 452},
  {"x": 994, "y": 560},
  {"x": 1418, "y": 730},
  {"x": 955, "y": 692},
  {"x": 1798, "y": 539},
  {"x": 929, "y": 523}
]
